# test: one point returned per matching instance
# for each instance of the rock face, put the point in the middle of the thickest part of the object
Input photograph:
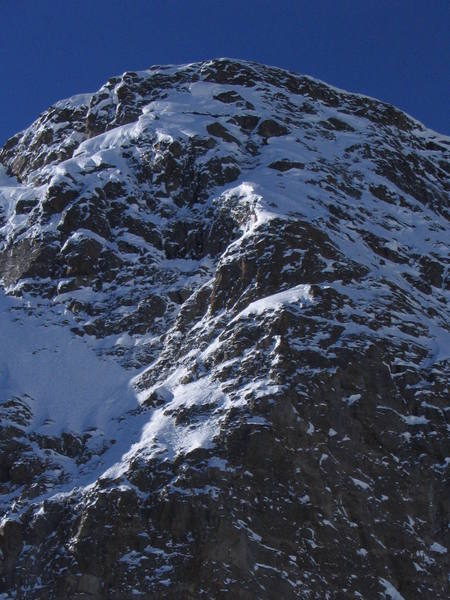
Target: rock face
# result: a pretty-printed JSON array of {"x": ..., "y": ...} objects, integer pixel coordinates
[{"x": 224, "y": 320}]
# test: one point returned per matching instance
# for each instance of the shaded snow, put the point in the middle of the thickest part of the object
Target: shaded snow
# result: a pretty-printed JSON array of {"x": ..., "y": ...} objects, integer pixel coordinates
[{"x": 70, "y": 387}]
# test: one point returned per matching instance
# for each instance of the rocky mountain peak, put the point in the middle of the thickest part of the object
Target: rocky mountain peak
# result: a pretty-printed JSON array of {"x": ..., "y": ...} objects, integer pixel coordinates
[{"x": 225, "y": 295}]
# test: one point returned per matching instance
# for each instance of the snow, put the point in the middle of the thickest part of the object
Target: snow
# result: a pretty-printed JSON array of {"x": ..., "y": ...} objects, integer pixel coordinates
[
  {"x": 6, "y": 180},
  {"x": 389, "y": 590},
  {"x": 362, "y": 484},
  {"x": 218, "y": 463},
  {"x": 74, "y": 101},
  {"x": 162, "y": 436},
  {"x": 438, "y": 548},
  {"x": 353, "y": 399},
  {"x": 323, "y": 458},
  {"x": 70, "y": 388},
  {"x": 297, "y": 295},
  {"x": 415, "y": 420}
]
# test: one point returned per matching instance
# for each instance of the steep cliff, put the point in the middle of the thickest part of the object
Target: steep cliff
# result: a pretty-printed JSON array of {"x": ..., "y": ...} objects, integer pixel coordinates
[{"x": 225, "y": 343}]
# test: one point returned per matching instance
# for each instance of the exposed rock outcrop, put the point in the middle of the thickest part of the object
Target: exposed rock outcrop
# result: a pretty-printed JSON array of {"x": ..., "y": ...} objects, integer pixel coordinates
[{"x": 224, "y": 313}]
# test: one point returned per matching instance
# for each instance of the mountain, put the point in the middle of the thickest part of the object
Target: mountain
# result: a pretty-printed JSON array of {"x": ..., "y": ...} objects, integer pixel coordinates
[{"x": 225, "y": 343}]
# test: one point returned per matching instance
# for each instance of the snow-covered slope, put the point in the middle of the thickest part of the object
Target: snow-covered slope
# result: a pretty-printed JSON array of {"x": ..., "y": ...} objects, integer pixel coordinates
[{"x": 225, "y": 345}]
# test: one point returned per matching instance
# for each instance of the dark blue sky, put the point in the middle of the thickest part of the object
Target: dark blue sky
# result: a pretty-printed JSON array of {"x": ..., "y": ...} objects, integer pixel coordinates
[{"x": 395, "y": 50}]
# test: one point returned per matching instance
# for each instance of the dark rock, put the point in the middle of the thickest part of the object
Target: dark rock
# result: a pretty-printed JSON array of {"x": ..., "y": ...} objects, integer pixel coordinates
[
  {"x": 84, "y": 215},
  {"x": 25, "y": 205},
  {"x": 229, "y": 97},
  {"x": 334, "y": 124},
  {"x": 28, "y": 258},
  {"x": 220, "y": 131},
  {"x": 246, "y": 122},
  {"x": 286, "y": 165},
  {"x": 270, "y": 128},
  {"x": 81, "y": 256},
  {"x": 57, "y": 198}
]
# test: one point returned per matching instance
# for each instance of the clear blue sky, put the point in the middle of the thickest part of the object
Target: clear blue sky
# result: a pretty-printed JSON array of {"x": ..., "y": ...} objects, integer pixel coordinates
[{"x": 395, "y": 50}]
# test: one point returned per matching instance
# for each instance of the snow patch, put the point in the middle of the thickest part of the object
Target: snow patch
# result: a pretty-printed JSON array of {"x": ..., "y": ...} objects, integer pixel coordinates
[
  {"x": 389, "y": 590},
  {"x": 435, "y": 547},
  {"x": 299, "y": 294}
]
